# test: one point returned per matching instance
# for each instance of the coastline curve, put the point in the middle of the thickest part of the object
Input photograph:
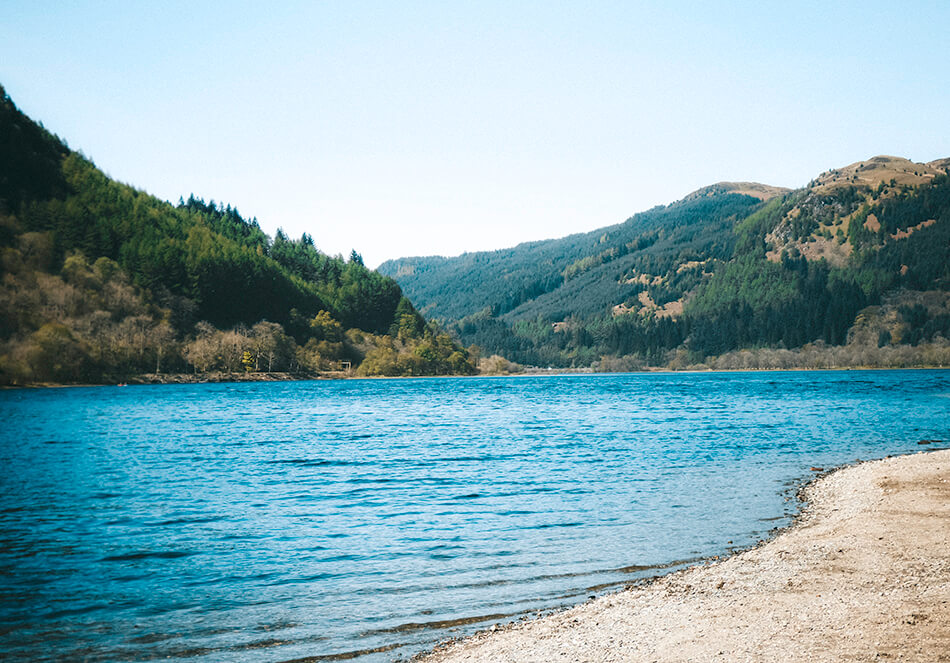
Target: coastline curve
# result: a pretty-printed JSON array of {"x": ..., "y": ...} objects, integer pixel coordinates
[{"x": 862, "y": 574}]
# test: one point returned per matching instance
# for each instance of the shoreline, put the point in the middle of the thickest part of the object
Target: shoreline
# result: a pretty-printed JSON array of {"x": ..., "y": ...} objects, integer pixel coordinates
[
  {"x": 220, "y": 377},
  {"x": 862, "y": 573}
]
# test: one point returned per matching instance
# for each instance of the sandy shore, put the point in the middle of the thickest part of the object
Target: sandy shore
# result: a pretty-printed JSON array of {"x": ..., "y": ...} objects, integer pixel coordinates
[{"x": 864, "y": 575}]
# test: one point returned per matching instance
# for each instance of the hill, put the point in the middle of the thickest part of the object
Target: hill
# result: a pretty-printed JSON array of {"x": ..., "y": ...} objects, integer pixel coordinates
[
  {"x": 730, "y": 267},
  {"x": 101, "y": 281},
  {"x": 511, "y": 281}
]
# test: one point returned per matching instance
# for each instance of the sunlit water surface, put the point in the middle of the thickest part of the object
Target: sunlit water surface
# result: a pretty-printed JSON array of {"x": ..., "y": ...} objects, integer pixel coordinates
[{"x": 371, "y": 519}]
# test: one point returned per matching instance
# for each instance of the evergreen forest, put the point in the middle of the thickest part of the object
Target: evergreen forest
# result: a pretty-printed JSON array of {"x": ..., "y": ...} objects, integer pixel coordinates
[
  {"x": 851, "y": 270},
  {"x": 102, "y": 282}
]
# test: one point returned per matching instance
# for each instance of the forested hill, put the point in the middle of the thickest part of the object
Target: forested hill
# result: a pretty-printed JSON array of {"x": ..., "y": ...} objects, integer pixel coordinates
[
  {"x": 546, "y": 276},
  {"x": 858, "y": 259},
  {"x": 101, "y": 281}
]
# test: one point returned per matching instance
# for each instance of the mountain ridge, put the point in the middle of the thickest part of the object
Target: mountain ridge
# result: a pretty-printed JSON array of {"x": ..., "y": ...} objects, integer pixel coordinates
[
  {"x": 758, "y": 190},
  {"x": 744, "y": 256},
  {"x": 755, "y": 189}
]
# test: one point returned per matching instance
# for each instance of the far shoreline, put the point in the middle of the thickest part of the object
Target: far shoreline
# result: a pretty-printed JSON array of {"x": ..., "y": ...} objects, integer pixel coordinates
[{"x": 260, "y": 376}]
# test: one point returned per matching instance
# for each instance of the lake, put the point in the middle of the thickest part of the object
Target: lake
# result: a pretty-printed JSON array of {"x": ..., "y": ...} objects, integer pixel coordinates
[{"x": 369, "y": 519}]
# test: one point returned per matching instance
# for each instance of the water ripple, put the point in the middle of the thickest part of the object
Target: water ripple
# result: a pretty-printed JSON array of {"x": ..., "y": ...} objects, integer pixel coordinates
[{"x": 363, "y": 520}]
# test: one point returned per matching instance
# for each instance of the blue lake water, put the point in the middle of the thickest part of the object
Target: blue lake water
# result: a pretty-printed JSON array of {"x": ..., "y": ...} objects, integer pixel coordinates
[{"x": 311, "y": 521}]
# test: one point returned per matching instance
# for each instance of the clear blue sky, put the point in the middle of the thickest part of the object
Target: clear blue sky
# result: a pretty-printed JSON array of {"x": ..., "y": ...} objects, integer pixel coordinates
[{"x": 406, "y": 128}]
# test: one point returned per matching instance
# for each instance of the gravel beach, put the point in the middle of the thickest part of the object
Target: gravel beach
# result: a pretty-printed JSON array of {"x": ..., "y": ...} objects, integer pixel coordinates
[{"x": 863, "y": 575}]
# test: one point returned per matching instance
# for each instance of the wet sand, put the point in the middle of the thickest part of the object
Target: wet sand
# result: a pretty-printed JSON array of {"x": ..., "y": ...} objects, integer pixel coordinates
[{"x": 863, "y": 575}]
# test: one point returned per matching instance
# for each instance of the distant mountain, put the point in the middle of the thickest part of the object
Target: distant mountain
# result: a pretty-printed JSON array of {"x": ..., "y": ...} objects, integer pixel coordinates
[
  {"x": 734, "y": 265},
  {"x": 549, "y": 276},
  {"x": 101, "y": 281}
]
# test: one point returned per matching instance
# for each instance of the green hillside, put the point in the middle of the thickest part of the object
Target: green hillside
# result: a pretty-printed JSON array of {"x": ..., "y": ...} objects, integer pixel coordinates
[
  {"x": 534, "y": 277},
  {"x": 101, "y": 281},
  {"x": 733, "y": 267}
]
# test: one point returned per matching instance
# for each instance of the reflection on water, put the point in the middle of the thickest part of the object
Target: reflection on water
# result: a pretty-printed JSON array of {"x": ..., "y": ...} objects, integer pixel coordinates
[{"x": 370, "y": 519}]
